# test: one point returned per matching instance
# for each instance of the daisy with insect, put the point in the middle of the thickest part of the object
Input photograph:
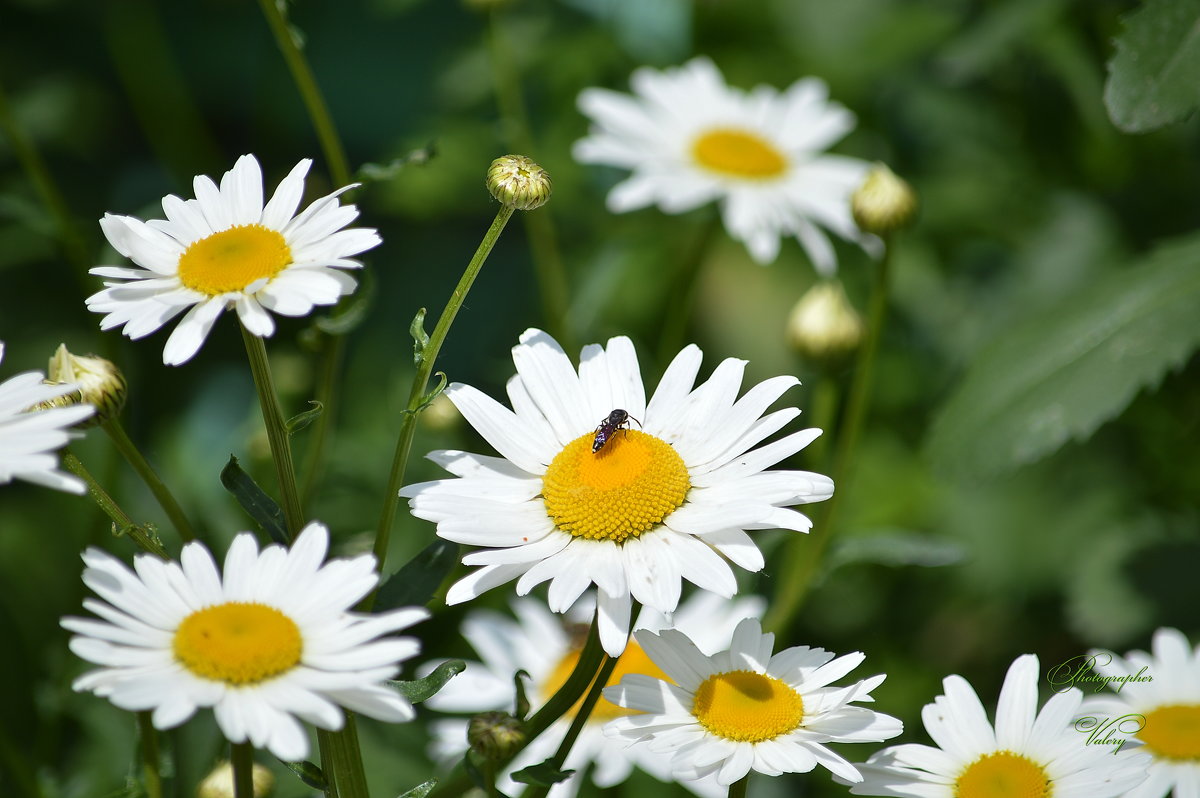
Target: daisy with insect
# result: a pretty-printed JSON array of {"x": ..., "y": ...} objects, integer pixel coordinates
[{"x": 650, "y": 508}]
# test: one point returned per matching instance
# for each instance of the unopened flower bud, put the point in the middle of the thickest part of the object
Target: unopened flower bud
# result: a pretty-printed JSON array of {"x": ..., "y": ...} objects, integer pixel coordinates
[
  {"x": 823, "y": 325},
  {"x": 884, "y": 202},
  {"x": 219, "y": 783},
  {"x": 518, "y": 182},
  {"x": 494, "y": 735},
  {"x": 100, "y": 383}
]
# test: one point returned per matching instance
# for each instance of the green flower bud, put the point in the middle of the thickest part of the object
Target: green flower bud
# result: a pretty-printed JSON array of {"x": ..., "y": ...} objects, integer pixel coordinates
[
  {"x": 100, "y": 383},
  {"x": 518, "y": 182},
  {"x": 884, "y": 202}
]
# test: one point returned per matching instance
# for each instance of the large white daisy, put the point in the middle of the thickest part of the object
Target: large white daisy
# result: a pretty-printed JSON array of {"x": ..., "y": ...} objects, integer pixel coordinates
[
  {"x": 1030, "y": 753},
  {"x": 691, "y": 139},
  {"x": 226, "y": 249},
  {"x": 269, "y": 642},
  {"x": 29, "y": 436},
  {"x": 1167, "y": 708},
  {"x": 540, "y": 644},
  {"x": 650, "y": 507},
  {"x": 745, "y": 708}
]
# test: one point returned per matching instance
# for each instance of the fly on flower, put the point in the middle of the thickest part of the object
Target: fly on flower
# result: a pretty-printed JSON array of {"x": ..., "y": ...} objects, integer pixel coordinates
[{"x": 617, "y": 420}]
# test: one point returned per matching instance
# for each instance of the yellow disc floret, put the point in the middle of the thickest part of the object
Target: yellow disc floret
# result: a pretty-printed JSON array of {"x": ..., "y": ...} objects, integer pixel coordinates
[
  {"x": 747, "y": 707},
  {"x": 621, "y": 491},
  {"x": 238, "y": 643},
  {"x": 1002, "y": 775},
  {"x": 233, "y": 259},
  {"x": 633, "y": 660},
  {"x": 738, "y": 153},
  {"x": 1173, "y": 732}
]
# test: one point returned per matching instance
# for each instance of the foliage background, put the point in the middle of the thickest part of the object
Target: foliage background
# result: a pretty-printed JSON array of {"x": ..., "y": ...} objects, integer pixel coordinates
[{"x": 993, "y": 110}]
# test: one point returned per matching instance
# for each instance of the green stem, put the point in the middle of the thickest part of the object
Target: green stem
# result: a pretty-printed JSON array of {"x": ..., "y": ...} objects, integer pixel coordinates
[
  {"x": 539, "y": 227},
  {"x": 416, "y": 396},
  {"x": 124, "y": 524},
  {"x": 306, "y": 84},
  {"x": 577, "y": 723},
  {"x": 738, "y": 788},
  {"x": 165, "y": 498},
  {"x": 152, "y": 779},
  {"x": 327, "y": 395},
  {"x": 824, "y": 413},
  {"x": 281, "y": 448},
  {"x": 683, "y": 289},
  {"x": 342, "y": 751},
  {"x": 241, "y": 757},
  {"x": 802, "y": 557},
  {"x": 35, "y": 168}
]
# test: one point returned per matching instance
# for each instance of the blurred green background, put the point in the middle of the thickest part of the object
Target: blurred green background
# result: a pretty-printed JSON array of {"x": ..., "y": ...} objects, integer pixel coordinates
[{"x": 992, "y": 110}]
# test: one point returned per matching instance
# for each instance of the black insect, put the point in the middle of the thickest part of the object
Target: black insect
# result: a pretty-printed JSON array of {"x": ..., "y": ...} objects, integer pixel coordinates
[{"x": 617, "y": 419}]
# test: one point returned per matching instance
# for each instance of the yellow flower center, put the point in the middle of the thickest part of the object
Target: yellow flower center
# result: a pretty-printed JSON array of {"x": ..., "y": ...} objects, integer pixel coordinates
[
  {"x": 238, "y": 643},
  {"x": 1173, "y": 732},
  {"x": 233, "y": 259},
  {"x": 621, "y": 491},
  {"x": 738, "y": 153},
  {"x": 747, "y": 707},
  {"x": 633, "y": 660},
  {"x": 1002, "y": 775}
]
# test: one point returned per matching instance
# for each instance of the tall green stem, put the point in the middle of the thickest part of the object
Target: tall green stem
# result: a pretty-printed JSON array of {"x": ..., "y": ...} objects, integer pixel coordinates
[
  {"x": 803, "y": 556},
  {"x": 151, "y": 778},
  {"x": 543, "y": 237},
  {"x": 341, "y": 750},
  {"x": 241, "y": 758},
  {"x": 416, "y": 396},
  {"x": 137, "y": 533},
  {"x": 162, "y": 494},
  {"x": 738, "y": 788}
]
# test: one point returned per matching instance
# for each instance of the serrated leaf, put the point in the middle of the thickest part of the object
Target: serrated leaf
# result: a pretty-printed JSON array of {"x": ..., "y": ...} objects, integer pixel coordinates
[
  {"x": 309, "y": 773},
  {"x": 420, "y": 690},
  {"x": 421, "y": 790},
  {"x": 419, "y": 578},
  {"x": 1062, "y": 374},
  {"x": 542, "y": 774},
  {"x": 254, "y": 500},
  {"x": 1154, "y": 76},
  {"x": 896, "y": 548},
  {"x": 302, "y": 420}
]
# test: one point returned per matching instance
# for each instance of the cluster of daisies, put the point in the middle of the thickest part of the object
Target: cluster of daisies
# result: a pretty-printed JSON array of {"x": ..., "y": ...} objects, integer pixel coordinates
[{"x": 699, "y": 695}]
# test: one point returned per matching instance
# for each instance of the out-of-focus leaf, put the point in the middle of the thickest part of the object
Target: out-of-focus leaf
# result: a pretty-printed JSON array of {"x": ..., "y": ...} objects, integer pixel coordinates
[
  {"x": 351, "y": 311},
  {"x": 309, "y": 773},
  {"x": 542, "y": 774},
  {"x": 421, "y": 790},
  {"x": 418, "y": 579},
  {"x": 302, "y": 420},
  {"x": 1062, "y": 374},
  {"x": 254, "y": 500},
  {"x": 374, "y": 172},
  {"x": 895, "y": 548},
  {"x": 420, "y": 690},
  {"x": 1154, "y": 76}
]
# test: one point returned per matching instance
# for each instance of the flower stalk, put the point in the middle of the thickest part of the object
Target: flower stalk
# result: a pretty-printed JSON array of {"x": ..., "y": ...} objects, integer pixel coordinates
[
  {"x": 151, "y": 778},
  {"x": 137, "y": 533},
  {"x": 141, "y": 465}
]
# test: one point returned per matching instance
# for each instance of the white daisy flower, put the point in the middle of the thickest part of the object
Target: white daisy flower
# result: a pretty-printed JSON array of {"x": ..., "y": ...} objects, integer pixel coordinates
[
  {"x": 691, "y": 139},
  {"x": 268, "y": 644},
  {"x": 745, "y": 708},
  {"x": 541, "y": 645},
  {"x": 1167, "y": 709},
  {"x": 650, "y": 507},
  {"x": 1029, "y": 753},
  {"x": 29, "y": 437},
  {"x": 226, "y": 249}
]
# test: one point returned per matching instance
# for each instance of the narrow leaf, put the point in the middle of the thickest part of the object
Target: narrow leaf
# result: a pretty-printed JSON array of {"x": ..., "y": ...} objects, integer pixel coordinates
[
  {"x": 421, "y": 790},
  {"x": 254, "y": 500},
  {"x": 1154, "y": 76},
  {"x": 302, "y": 420},
  {"x": 1062, "y": 374},
  {"x": 419, "y": 578},
  {"x": 310, "y": 774},
  {"x": 543, "y": 774},
  {"x": 420, "y": 690},
  {"x": 419, "y": 336}
]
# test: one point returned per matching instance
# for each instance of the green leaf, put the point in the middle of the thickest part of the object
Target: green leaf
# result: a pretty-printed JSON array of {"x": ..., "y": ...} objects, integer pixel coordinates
[
  {"x": 421, "y": 790},
  {"x": 419, "y": 578},
  {"x": 373, "y": 172},
  {"x": 310, "y": 774},
  {"x": 896, "y": 548},
  {"x": 419, "y": 336},
  {"x": 522, "y": 700},
  {"x": 302, "y": 420},
  {"x": 1154, "y": 76},
  {"x": 351, "y": 311},
  {"x": 420, "y": 690},
  {"x": 1060, "y": 375},
  {"x": 542, "y": 774},
  {"x": 254, "y": 500}
]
